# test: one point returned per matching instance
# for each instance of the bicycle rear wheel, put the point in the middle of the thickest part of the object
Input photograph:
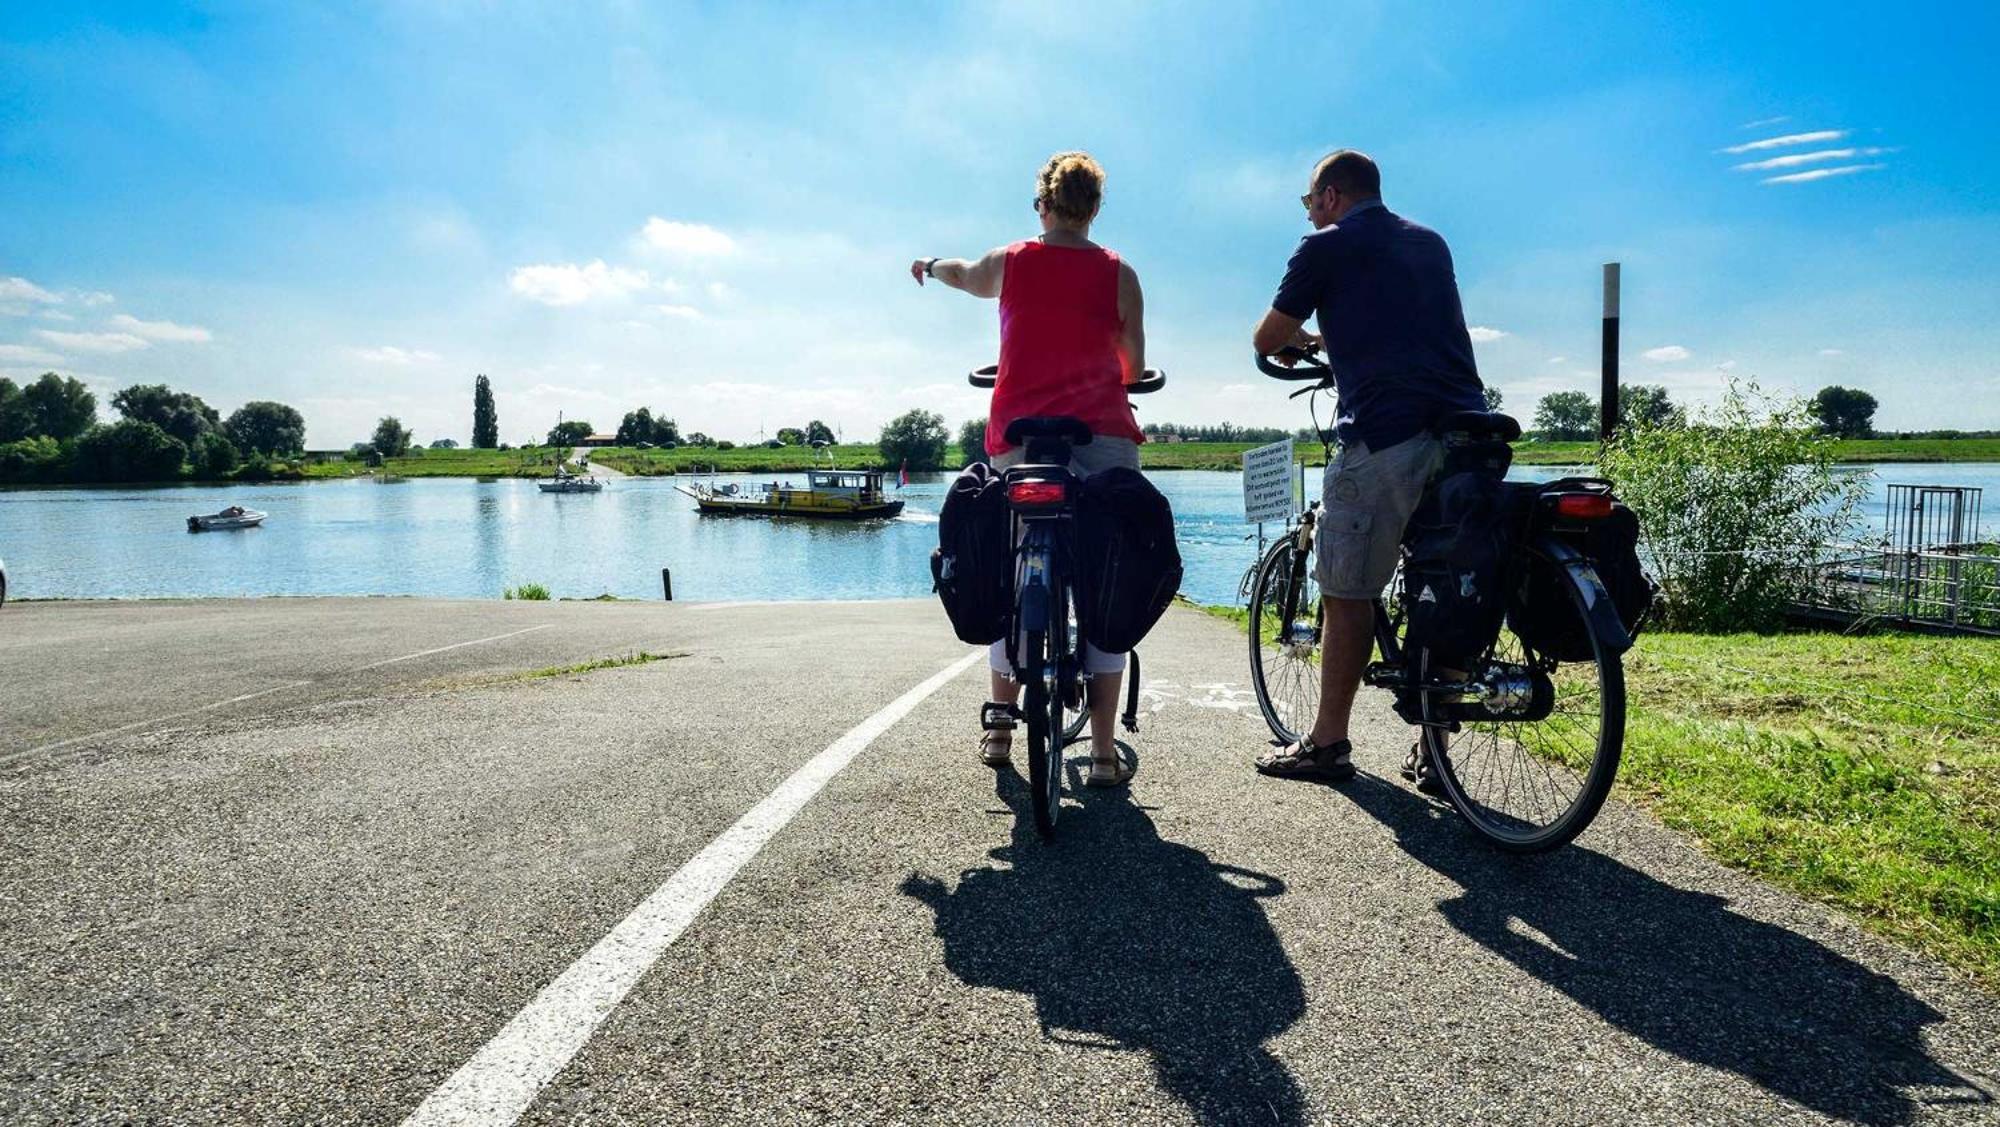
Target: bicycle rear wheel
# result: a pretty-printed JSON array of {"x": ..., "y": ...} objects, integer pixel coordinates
[
  {"x": 1284, "y": 648},
  {"x": 1529, "y": 786},
  {"x": 1044, "y": 716}
]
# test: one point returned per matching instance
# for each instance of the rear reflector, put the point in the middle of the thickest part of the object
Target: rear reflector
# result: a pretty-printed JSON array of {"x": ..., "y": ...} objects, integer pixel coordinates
[
  {"x": 1583, "y": 506},
  {"x": 1037, "y": 492}
]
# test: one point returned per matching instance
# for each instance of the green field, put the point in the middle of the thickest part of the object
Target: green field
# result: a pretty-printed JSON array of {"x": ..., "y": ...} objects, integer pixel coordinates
[
  {"x": 751, "y": 459},
  {"x": 440, "y": 463},
  {"x": 1229, "y": 455},
  {"x": 1860, "y": 771}
]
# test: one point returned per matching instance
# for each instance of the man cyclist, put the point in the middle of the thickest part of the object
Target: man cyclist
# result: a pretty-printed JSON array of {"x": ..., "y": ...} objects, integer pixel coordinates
[{"x": 1386, "y": 299}]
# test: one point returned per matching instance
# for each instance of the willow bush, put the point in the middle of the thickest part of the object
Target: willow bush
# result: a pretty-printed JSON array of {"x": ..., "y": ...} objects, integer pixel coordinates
[{"x": 1735, "y": 507}]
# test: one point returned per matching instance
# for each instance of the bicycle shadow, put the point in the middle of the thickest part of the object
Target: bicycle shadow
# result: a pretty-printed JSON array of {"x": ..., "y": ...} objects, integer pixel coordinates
[
  {"x": 1682, "y": 972},
  {"x": 1134, "y": 941}
]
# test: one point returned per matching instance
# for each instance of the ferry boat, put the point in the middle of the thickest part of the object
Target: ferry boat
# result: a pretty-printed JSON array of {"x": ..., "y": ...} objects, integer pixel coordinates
[
  {"x": 829, "y": 494},
  {"x": 566, "y": 482}
]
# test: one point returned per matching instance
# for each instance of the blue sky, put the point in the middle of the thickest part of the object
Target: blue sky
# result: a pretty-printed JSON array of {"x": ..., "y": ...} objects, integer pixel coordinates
[{"x": 709, "y": 210}]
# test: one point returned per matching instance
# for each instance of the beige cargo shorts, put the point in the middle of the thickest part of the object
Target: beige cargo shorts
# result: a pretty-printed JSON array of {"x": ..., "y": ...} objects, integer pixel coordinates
[{"x": 1366, "y": 499}]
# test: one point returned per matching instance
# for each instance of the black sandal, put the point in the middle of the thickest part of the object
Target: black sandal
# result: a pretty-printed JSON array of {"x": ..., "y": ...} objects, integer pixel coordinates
[
  {"x": 1417, "y": 769},
  {"x": 1302, "y": 759}
]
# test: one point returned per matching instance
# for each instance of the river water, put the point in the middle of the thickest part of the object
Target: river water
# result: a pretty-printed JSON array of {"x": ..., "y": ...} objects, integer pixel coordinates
[{"x": 461, "y": 538}]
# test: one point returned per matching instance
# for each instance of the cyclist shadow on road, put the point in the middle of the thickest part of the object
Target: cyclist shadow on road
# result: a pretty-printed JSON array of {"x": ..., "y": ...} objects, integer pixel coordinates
[
  {"x": 1127, "y": 940},
  {"x": 1682, "y": 972}
]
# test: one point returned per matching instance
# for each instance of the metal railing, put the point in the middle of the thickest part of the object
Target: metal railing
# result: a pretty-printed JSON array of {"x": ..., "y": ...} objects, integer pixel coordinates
[{"x": 1949, "y": 586}]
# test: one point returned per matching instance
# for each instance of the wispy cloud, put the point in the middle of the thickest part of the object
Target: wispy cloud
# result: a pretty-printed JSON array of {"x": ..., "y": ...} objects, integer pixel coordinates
[
  {"x": 684, "y": 312},
  {"x": 1481, "y": 334},
  {"x": 1558, "y": 359},
  {"x": 21, "y": 289},
  {"x": 94, "y": 342},
  {"x": 95, "y": 298},
  {"x": 1763, "y": 122},
  {"x": 1666, "y": 353},
  {"x": 161, "y": 330},
  {"x": 1822, "y": 174},
  {"x": 1832, "y": 352},
  {"x": 396, "y": 357},
  {"x": 566, "y": 283},
  {"x": 1793, "y": 160},
  {"x": 693, "y": 240},
  {"x": 1788, "y": 139},
  {"x": 26, "y": 354},
  {"x": 1726, "y": 366}
]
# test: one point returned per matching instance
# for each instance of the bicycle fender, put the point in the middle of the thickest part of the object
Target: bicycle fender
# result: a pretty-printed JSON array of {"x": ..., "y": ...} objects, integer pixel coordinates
[
  {"x": 1598, "y": 607},
  {"x": 1035, "y": 607}
]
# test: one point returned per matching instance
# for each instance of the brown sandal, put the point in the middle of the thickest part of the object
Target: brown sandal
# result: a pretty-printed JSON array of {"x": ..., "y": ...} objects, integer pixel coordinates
[
  {"x": 1118, "y": 773},
  {"x": 996, "y": 752}
]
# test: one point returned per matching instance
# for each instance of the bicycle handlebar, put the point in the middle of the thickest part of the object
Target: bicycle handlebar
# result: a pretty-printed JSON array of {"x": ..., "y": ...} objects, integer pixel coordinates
[
  {"x": 1151, "y": 380},
  {"x": 1311, "y": 365}
]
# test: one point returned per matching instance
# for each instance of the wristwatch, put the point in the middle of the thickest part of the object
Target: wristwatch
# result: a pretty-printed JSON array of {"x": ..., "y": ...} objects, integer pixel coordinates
[{"x": 928, "y": 263}]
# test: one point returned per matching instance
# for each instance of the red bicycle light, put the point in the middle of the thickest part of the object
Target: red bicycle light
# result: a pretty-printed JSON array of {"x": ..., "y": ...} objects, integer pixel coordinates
[
  {"x": 1583, "y": 506},
  {"x": 1037, "y": 492}
]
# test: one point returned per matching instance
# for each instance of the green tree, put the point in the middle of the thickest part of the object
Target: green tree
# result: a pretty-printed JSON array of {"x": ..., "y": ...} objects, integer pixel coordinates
[
  {"x": 1566, "y": 416},
  {"x": 392, "y": 438},
  {"x": 817, "y": 431},
  {"x": 179, "y": 413},
  {"x": 696, "y": 438},
  {"x": 16, "y": 420},
  {"x": 791, "y": 436},
  {"x": 570, "y": 433},
  {"x": 1492, "y": 395},
  {"x": 1736, "y": 509},
  {"x": 444, "y": 443},
  {"x": 128, "y": 450},
  {"x": 972, "y": 441},
  {"x": 917, "y": 437},
  {"x": 1844, "y": 412},
  {"x": 266, "y": 428},
  {"x": 212, "y": 456},
  {"x": 666, "y": 432},
  {"x": 35, "y": 459},
  {"x": 485, "y": 420},
  {"x": 636, "y": 428},
  {"x": 58, "y": 407},
  {"x": 1647, "y": 405}
]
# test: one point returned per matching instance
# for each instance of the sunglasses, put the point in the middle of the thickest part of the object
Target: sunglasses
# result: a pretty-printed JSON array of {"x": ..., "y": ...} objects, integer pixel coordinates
[{"x": 1307, "y": 199}]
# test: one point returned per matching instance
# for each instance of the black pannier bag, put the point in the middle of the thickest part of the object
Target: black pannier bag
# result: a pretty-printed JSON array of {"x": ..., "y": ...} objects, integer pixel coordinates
[
  {"x": 972, "y": 568},
  {"x": 1540, "y": 607},
  {"x": 1128, "y": 567},
  {"x": 1459, "y": 540}
]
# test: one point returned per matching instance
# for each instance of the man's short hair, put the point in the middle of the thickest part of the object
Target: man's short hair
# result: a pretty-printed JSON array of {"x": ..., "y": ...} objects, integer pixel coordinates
[{"x": 1350, "y": 171}]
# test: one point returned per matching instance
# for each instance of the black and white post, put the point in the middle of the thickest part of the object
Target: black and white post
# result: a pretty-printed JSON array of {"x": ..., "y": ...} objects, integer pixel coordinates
[{"x": 1607, "y": 400}]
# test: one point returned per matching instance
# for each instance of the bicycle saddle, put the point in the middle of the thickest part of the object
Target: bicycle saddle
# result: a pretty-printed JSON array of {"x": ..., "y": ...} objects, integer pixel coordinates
[
  {"x": 1480, "y": 425},
  {"x": 1048, "y": 426}
]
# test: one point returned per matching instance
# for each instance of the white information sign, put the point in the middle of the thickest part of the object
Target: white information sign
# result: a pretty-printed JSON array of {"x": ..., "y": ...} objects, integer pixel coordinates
[{"x": 1267, "y": 482}]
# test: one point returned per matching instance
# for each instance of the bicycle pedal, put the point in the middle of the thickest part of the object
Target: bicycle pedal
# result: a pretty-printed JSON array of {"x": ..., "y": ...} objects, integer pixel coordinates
[{"x": 997, "y": 717}]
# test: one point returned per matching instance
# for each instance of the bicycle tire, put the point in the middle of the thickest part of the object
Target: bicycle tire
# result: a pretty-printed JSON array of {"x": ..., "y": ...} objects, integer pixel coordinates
[
  {"x": 1505, "y": 830},
  {"x": 1044, "y": 738},
  {"x": 1288, "y": 690}
]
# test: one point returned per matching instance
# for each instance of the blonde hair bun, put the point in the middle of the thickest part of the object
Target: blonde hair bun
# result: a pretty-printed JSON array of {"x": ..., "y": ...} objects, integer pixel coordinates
[{"x": 1071, "y": 186}]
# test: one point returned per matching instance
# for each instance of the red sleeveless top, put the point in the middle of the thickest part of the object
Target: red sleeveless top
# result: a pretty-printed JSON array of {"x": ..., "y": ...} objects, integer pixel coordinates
[{"x": 1059, "y": 329}]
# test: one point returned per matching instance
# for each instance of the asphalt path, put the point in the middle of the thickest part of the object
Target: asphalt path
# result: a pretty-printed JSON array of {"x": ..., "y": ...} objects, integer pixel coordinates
[{"x": 326, "y": 903}]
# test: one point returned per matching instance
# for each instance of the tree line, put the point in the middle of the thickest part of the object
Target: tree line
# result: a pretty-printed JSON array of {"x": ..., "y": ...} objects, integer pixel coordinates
[
  {"x": 49, "y": 433},
  {"x": 1572, "y": 416}
]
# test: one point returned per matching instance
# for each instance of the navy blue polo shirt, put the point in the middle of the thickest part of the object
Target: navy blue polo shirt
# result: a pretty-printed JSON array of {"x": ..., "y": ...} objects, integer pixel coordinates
[{"x": 1387, "y": 301}]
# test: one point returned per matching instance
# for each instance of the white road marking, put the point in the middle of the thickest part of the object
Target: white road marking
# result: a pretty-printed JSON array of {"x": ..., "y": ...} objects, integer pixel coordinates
[
  {"x": 453, "y": 646},
  {"x": 210, "y": 707},
  {"x": 502, "y": 1079},
  {"x": 59, "y": 744}
]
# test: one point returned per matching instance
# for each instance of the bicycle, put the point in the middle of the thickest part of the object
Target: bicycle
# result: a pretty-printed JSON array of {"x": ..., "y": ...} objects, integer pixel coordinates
[
  {"x": 1523, "y": 746},
  {"x": 1045, "y": 646}
]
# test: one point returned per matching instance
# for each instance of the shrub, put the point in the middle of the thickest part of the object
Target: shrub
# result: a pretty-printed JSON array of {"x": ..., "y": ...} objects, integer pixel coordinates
[
  {"x": 533, "y": 592},
  {"x": 213, "y": 456},
  {"x": 129, "y": 451},
  {"x": 31, "y": 459},
  {"x": 1734, "y": 508}
]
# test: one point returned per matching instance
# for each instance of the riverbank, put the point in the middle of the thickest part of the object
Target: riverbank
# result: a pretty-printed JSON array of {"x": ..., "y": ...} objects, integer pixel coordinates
[{"x": 1859, "y": 771}]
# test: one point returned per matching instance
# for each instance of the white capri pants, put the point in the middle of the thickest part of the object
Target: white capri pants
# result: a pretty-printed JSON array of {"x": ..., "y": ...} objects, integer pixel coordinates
[{"x": 1102, "y": 453}]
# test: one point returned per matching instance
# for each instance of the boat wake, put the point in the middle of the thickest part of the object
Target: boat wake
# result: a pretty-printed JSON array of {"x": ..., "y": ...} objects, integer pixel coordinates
[{"x": 918, "y": 518}]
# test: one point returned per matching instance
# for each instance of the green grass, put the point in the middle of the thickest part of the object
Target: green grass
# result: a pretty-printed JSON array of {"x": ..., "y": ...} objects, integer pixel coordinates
[
  {"x": 531, "y": 592},
  {"x": 1229, "y": 455},
  {"x": 1858, "y": 770},
  {"x": 538, "y": 462},
  {"x": 643, "y": 657},
  {"x": 756, "y": 459}
]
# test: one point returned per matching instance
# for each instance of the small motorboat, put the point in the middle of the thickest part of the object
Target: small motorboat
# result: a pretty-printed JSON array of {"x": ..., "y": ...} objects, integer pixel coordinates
[
  {"x": 566, "y": 482},
  {"x": 235, "y": 516}
]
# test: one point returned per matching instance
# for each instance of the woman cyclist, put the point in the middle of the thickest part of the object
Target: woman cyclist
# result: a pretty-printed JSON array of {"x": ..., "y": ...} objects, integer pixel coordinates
[{"x": 1072, "y": 335}]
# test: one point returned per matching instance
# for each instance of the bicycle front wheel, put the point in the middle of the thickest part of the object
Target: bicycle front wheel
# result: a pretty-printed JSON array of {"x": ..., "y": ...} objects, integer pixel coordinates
[
  {"x": 1531, "y": 785},
  {"x": 1284, "y": 639}
]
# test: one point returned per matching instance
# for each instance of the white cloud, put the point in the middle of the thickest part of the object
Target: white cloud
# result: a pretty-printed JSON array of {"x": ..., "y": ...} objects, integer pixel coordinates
[
  {"x": 21, "y": 289},
  {"x": 1822, "y": 174},
  {"x": 397, "y": 357},
  {"x": 1558, "y": 359},
  {"x": 720, "y": 291},
  {"x": 695, "y": 240},
  {"x": 1726, "y": 366},
  {"x": 26, "y": 354},
  {"x": 95, "y": 298},
  {"x": 160, "y": 330},
  {"x": 93, "y": 342},
  {"x": 55, "y": 315},
  {"x": 1666, "y": 353},
  {"x": 685, "y": 312},
  {"x": 1788, "y": 139},
  {"x": 1766, "y": 121},
  {"x": 1832, "y": 352},
  {"x": 566, "y": 283},
  {"x": 1481, "y": 334},
  {"x": 1793, "y": 160}
]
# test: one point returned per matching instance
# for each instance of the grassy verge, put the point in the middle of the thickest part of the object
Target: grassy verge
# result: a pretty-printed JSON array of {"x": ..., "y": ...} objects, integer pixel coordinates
[
  {"x": 538, "y": 462},
  {"x": 640, "y": 658},
  {"x": 755, "y": 459},
  {"x": 1861, "y": 771},
  {"x": 1229, "y": 455}
]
